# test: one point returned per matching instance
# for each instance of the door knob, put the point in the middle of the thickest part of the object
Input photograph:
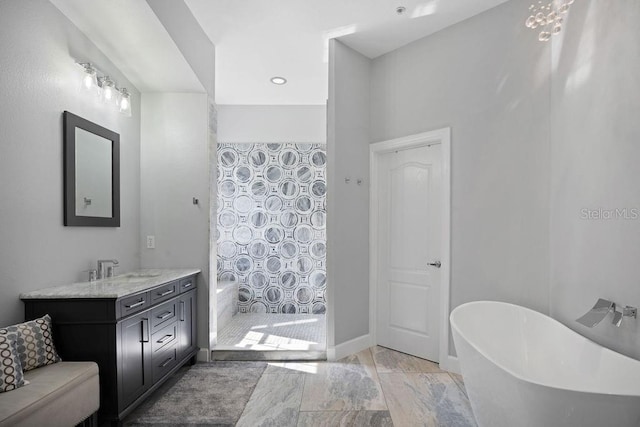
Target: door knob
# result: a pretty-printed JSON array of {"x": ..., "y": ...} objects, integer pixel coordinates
[{"x": 436, "y": 264}]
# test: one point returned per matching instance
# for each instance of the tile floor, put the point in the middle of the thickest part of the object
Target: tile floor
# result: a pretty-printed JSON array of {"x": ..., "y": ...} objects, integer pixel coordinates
[
  {"x": 376, "y": 387},
  {"x": 271, "y": 331}
]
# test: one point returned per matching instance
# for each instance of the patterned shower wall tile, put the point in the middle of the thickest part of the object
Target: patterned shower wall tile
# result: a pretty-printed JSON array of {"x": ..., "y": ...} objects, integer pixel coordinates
[
  {"x": 434, "y": 399},
  {"x": 387, "y": 360},
  {"x": 346, "y": 385},
  {"x": 271, "y": 225}
]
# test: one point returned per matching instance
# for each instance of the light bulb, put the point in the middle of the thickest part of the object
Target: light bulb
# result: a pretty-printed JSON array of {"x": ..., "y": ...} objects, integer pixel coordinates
[
  {"x": 278, "y": 80},
  {"x": 87, "y": 82},
  {"x": 108, "y": 93},
  {"x": 108, "y": 90},
  {"x": 125, "y": 102},
  {"x": 89, "y": 79}
]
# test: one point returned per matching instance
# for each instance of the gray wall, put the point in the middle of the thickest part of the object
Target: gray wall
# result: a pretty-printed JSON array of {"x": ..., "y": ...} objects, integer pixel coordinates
[
  {"x": 190, "y": 38},
  {"x": 595, "y": 165},
  {"x": 543, "y": 136},
  {"x": 186, "y": 125},
  {"x": 272, "y": 123},
  {"x": 348, "y": 204},
  {"x": 174, "y": 169},
  {"x": 486, "y": 78},
  {"x": 38, "y": 81}
]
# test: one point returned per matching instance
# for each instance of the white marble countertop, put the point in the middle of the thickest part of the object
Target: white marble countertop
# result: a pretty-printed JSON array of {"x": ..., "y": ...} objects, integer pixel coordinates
[{"x": 112, "y": 287}]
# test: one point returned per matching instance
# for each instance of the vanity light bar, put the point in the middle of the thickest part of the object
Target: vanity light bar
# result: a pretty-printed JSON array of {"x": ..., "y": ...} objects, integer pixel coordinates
[{"x": 105, "y": 88}]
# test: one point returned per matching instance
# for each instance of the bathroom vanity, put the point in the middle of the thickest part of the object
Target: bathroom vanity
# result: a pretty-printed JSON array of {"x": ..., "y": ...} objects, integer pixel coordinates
[{"x": 139, "y": 327}]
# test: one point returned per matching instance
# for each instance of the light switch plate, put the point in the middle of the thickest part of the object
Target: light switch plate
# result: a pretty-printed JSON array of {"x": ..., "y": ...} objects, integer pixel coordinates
[{"x": 151, "y": 242}]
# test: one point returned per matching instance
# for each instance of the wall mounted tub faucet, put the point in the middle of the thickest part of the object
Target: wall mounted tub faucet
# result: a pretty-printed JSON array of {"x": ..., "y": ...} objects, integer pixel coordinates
[
  {"x": 601, "y": 309},
  {"x": 104, "y": 273},
  {"x": 597, "y": 313},
  {"x": 627, "y": 311}
]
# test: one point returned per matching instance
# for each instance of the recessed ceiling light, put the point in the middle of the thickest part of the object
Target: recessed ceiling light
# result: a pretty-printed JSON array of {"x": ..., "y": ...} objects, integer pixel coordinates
[
  {"x": 400, "y": 10},
  {"x": 278, "y": 80}
]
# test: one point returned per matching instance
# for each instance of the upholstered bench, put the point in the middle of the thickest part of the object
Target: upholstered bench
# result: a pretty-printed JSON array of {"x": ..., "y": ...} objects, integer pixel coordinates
[
  {"x": 63, "y": 394},
  {"x": 36, "y": 387}
]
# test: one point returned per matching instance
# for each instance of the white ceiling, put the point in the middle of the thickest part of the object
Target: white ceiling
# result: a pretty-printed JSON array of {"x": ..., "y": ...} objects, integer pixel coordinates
[
  {"x": 132, "y": 37},
  {"x": 258, "y": 39}
]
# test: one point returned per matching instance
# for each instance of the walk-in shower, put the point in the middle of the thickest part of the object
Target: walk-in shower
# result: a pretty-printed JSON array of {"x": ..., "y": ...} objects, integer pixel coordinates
[{"x": 271, "y": 247}]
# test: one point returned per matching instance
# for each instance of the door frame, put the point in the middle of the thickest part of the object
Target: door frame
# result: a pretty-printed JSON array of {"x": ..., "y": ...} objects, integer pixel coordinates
[{"x": 443, "y": 137}]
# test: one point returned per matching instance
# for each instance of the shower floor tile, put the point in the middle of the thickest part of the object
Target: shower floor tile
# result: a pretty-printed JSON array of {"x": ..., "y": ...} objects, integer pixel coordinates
[{"x": 274, "y": 332}]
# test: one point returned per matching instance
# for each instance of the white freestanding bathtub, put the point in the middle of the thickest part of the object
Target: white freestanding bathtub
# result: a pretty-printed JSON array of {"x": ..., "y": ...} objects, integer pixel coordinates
[{"x": 522, "y": 368}]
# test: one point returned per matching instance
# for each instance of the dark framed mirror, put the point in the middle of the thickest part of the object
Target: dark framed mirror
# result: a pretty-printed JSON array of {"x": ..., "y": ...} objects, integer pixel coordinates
[{"x": 91, "y": 174}]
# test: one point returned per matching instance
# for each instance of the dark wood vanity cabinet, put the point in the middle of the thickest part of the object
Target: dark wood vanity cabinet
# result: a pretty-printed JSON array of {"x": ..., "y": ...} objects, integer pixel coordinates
[
  {"x": 135, "y": 359},
  {"x": 187, "y": 324},
  {"x": 137, "y": 340}
]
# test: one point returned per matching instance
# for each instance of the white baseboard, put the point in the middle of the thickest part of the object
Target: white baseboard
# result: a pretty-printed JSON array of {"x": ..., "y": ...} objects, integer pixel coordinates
[
  {"x": 451, "y": 364},
  {"x": 350, "y": 347},
  {"x": 204, "y": 355}
]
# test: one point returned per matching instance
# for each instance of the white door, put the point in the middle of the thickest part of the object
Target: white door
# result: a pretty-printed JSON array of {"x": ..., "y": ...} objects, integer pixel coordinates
[{"x": 409, "y": 239}]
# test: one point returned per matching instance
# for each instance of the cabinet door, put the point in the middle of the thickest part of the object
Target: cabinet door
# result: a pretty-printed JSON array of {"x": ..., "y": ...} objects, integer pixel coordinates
[
  {"x": 135, "y": 358},
  {"x": 187, "y": 323}
]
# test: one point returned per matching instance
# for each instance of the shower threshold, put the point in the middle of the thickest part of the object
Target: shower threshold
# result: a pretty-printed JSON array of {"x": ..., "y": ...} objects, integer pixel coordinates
[{"x": 271, "y": 336}]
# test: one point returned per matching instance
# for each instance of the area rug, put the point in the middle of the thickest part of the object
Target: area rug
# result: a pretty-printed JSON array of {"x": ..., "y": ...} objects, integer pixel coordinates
[{"x": 207, "y": 394}]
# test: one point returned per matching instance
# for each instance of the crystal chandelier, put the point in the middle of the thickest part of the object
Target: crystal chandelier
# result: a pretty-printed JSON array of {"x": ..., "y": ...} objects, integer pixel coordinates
[{"x": 547, "y": 18}]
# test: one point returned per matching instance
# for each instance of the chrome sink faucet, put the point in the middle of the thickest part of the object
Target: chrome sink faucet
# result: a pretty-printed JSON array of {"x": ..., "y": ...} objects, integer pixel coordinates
[{"x": 108, "y": 272}]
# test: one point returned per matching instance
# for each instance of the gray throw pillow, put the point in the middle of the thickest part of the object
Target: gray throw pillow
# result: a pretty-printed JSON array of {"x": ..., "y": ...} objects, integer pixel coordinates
[
  {"x": 11, "y": 375},
  {"x": 34, "y": 342}
]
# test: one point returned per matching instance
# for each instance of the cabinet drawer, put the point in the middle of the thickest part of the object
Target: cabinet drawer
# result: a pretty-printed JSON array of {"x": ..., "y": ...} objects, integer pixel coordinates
[
  {"x": 165, "y": 337},
  {"x": 133, "y": 304},
  {"x": 164, "y": 292},
  {"x": 163, "y": 362},
  {"x": 163, "y": 315},
  {"x": 187, "y": 284}
]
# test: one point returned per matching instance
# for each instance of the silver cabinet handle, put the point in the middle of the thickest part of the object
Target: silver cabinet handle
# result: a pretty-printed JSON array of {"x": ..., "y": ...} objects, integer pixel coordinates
[
  {"x": 166, "y": 362},
  {"x": 436, "y": 264},
  {"x": 164, "y": 339},
  {"x": 165, "y": 293},
  {"x": 138, "y": 304},
  {"x": 165, "y": 315},
  {"x": 145, "y": 330},
  {"x": 187, "y": 285}
]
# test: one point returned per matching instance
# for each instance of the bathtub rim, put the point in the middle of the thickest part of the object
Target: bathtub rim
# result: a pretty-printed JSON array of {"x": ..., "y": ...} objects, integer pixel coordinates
[{"x": 456, "y": 328}]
